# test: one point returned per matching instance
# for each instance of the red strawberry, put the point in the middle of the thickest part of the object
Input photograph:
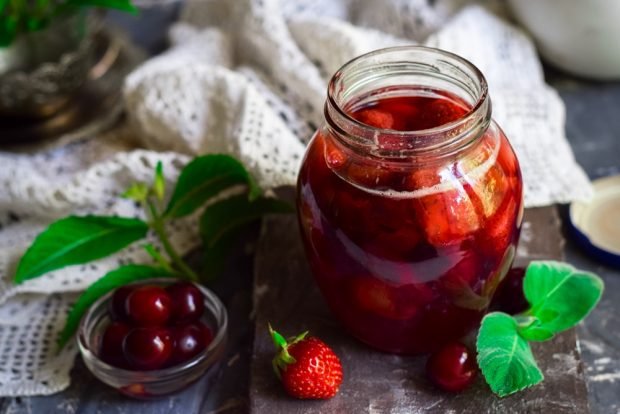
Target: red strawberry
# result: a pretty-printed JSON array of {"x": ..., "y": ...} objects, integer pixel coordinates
[
  {"x": 307, "y": 367},
  {"x": 501, "y": 228},
  {"x": 334, "y": 155},
  {"x": 382, "y": 299},
  {"x": 375, "y": 296},
  {"x": 369, "y": 175},
  {"x": 441, "y": 112},
  {"x": 447, "y": 215},
  {"x": 375, "y": 118}
]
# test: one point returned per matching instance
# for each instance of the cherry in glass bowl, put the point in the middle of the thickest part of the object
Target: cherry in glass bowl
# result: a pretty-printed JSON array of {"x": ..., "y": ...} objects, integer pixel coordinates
[{"x": 146, "y": 384}]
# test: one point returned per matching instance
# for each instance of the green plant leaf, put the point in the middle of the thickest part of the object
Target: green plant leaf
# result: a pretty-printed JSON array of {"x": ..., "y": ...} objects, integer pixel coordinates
[
  {"x": 123, "y": 5},
  {"x": 535, "y": 333},
  {"x": 8, "y": 29},
  {"x": 159, "y": 183},
  {"x": 76, "y": 240},
  {"x": 215, "y": 256},
  {"x": 560, "y": 295},
  {"x": 231, "y": 213},
  {"x": 110, "y": 281},
  {"x": 504, "y": 357},
  {"x": 529, "y": 328},
  {"x": 222, "y": 224},
  {"x": 34, "y": 23},
  {"x": 137, "y": 192},
  {"x": 205, "y": 177}
]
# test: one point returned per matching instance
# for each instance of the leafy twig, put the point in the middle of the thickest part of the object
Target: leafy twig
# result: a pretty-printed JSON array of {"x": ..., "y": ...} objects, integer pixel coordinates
[
  {"x": 154, "y": 253},
  {"x": 75, "y": 240},
  {"x": 158, "y": 227}
]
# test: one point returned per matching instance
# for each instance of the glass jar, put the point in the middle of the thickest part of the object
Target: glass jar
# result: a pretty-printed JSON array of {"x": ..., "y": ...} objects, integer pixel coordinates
[{"x": 409, "y": 199}]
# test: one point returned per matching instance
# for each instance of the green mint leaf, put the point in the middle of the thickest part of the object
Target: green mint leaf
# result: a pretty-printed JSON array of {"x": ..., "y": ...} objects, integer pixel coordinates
[
  {"x": 525, "y": 321},
  {"x": 504, "y": 357},
  {"x": 231, "y": 213},
  {"x": 215, "y": 256},
  {"x": 110, "y": 281},
  {"x": 529, "y": 328},
  {"x": 159, "y": 183},
  {"x": 546, "y": 315},
  {"x": 33, "y": 24},
  {"x": 205, "y": 177},
  {"x": 123, "y": 5},
  {"x": 560, "y": 295},
  {"x": 137, "y": 192},
  {"x": 535, "y": 333},
  {"x": 222, "y": 223},
  {"x": 8, "y": 30},
  {"x": 76, "y": 240}
]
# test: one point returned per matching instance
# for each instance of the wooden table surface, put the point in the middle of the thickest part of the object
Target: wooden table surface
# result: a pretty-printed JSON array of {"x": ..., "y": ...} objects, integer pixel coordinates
[
  {"x": 376, "y": 382},
  {"x": 593, "y": 128}
]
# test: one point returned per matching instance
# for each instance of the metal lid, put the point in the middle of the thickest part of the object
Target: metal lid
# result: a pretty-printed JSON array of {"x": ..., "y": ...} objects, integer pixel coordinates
[{"x": 596, "y": 223}]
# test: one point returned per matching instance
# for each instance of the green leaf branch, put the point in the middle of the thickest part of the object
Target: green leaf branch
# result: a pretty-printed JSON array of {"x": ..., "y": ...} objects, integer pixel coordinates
[
  {"x": 80, "y": 239},
  {"x": 158, "y": 225},
  {"x": 560, "y": 296}
]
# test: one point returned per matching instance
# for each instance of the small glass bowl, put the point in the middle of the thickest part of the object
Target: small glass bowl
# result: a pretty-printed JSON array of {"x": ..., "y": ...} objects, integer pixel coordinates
[{"x": 155, "y": 383}]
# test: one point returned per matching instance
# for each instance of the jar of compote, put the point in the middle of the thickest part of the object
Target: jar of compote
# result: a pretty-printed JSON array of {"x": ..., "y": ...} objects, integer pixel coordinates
[{"x": 409, "y": 199}]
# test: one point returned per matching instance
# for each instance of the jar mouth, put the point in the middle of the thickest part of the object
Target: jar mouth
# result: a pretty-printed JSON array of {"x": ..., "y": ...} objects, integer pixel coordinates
[{"x": 418, "y": 66}]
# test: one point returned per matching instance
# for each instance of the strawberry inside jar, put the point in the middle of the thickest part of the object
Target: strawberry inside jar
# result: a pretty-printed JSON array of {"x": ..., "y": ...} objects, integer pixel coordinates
[{"x": 415, "y": 193}]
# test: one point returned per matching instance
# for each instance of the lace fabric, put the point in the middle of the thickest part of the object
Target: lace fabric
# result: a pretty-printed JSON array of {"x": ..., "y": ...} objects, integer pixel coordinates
[{"x": 248, "y": 78}]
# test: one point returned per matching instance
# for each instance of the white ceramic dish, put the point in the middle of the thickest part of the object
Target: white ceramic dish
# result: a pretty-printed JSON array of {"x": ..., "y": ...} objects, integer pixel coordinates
[
  {"x": 596, "y": 224},
  {"x": 579, "y": 36}
]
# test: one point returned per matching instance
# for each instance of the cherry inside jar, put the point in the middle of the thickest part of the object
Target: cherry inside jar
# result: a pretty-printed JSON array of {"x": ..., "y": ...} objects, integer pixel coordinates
[{"x": 409, "y": 199}]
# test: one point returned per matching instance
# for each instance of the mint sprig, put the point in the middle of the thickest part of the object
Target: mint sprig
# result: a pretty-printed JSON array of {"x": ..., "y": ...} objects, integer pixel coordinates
[
  {"x": 504, "y": 356},
  {"x": 560, "y": 296}
]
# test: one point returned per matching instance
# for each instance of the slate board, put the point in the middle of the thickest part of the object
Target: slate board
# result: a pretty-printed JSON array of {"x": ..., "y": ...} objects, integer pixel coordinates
[{"x": 374, "y": 382}]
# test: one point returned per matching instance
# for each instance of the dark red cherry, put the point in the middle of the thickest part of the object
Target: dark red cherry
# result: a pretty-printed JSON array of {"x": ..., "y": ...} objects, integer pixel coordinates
[
  {"x": 452, "y": 368},
  {"x": 117, "y": 305},
  {"x": 148, "y": 348},
  {"x": 111, "y": 347},
  {"x": 189, "y": 341},
  {"x": 509, "y": 297},
  {"x": 148, "y": 306},
  {"x": 187, "y": 302}
]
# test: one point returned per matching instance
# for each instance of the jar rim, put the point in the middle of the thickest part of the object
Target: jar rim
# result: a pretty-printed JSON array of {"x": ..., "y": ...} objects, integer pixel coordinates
[{"x": 477, "y": 115}]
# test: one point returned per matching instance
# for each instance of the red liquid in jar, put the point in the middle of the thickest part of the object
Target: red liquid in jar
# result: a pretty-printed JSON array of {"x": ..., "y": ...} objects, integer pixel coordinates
[{"x": 406, "y": 252}]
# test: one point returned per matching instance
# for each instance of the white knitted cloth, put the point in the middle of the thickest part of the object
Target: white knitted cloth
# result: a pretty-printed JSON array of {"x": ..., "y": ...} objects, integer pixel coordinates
[{"x": 246, "y": 77}]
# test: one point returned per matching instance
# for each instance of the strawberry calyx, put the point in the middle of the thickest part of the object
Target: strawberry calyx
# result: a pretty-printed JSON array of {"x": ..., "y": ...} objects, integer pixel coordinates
[{"x": 283, "y": 357}]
